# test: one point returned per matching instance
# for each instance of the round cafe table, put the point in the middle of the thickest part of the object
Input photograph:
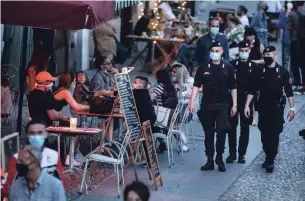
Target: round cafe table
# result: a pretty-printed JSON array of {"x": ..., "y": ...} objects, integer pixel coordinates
[{"x": 69, "y": 132}]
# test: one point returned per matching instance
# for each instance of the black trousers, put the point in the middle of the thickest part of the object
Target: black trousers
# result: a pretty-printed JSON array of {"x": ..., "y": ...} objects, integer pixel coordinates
[
  {"x": 211, "y": 121},
  {"x": 295, "y": 58},
  {"x": 244, "y": 132},
  {"x": 270, "y": 124}
]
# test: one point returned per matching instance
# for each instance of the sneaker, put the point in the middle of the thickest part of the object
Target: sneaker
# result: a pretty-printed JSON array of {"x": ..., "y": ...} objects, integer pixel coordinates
[
  {"x": 75, "y": 163},
  {"x": 184, "y": 148}
]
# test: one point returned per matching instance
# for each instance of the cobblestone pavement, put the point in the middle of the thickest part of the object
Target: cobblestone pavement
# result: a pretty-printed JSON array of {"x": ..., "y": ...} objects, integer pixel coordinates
[{"x": 287, "y": 182}]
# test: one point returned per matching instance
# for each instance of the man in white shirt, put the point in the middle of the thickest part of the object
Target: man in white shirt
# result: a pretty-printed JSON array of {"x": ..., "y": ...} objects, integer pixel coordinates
[
  {"x": 274, "y": 6},
  {"x": 242, "y": 15}
]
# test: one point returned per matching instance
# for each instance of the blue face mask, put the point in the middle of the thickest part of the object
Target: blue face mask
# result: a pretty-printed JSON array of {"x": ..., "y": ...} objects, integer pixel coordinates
[
  {"x": 36, "y": 141},
  {"x": 244, "y": 55},
  {"x": 215, "y": 56},
  {"x": 174, "y": 79},
  {"x": 214, "y": 31}
]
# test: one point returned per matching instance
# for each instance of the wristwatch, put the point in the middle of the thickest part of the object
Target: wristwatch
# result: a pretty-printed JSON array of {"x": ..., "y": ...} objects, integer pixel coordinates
[
  {"x": 292, "y": 109},
  {"x": 235, "y": 105}
]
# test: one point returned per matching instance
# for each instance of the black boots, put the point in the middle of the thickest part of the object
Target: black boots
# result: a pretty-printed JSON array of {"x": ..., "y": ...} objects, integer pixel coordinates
[
  {"x": 241, "y": 159},
  {"x": 231, "y": 158},
  {"x": 268, "y": 165},
  {"x": 220, "y": 163},
  {"x": 209, "y": 165}
]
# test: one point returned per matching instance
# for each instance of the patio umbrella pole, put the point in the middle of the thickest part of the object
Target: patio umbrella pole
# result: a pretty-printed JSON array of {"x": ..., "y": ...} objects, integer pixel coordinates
[{"x": 23, "y": 63}]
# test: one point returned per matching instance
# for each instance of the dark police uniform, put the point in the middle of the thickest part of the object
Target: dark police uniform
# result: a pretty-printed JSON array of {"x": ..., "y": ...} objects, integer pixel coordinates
[
  {"x": 217, "y": 81},
  {"x": 271, "y": 103},
  {"x": 244, "y": 72}
]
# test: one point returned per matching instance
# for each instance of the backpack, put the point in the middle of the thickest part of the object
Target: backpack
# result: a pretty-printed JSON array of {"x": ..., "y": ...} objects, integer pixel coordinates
[{"x": 301, "y": 31}]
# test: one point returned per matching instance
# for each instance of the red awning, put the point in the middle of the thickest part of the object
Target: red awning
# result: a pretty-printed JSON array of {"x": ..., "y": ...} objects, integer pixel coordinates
[{"x": 70, "y": 15}]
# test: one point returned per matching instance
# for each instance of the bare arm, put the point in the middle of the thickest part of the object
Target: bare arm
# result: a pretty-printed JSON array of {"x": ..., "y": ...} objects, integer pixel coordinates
[
  {"x": 234, "y": 96},
  {"x": 153, "y": 96},
  {"x": 195, "y": 91},
  {"x": 70, "y": 100},
  {"x": 53, "y": 117},
  {"x": 104, "y": 93},
  {"x": 249, "y": 100}
]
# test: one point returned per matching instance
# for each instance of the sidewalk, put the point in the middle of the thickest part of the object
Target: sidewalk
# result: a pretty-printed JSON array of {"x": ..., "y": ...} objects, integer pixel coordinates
[{"x": 186, "y": 182}]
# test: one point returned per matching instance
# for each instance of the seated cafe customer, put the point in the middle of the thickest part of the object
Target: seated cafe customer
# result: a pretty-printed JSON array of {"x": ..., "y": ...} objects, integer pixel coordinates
[
  {"x": 40, "y": 100},
  {"x": 142, "y": 24},
  {"x": 145, "y": 108},
  {"x": 36, "y": 134},
  {"x": 32, "y": 182},
  {"x": 103, "y": 80}
]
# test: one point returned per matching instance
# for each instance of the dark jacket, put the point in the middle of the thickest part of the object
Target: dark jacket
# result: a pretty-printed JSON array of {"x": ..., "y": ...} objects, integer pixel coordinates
[{"x": 146, "y": 110}]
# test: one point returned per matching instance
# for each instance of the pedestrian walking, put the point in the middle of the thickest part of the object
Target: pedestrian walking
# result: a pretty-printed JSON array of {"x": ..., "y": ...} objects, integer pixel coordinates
[
  {"x": 33, "y": 183},
  {"x": 270, "y": 81},
  {"x": 283, "y": 24},
  {"x": 259, "y": 22},
  {"x": 244, "y": 71},
  {"x": 217, "y": 79}
]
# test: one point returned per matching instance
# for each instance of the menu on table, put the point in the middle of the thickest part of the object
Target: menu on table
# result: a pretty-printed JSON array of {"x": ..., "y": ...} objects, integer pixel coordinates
[{"x": 129, "y": 105}]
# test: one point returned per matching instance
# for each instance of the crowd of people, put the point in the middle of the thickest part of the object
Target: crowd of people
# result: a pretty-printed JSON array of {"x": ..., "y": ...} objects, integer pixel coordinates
[{"x": 235, "y": 71}]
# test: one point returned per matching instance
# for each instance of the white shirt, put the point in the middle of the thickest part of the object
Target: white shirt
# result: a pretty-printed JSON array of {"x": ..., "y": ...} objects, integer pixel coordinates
[{"x": 244, "y": 20}]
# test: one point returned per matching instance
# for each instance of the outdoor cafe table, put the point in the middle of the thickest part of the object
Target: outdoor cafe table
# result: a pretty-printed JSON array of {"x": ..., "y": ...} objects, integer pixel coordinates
[
  {"x": 155, "y": 41},
  {"x": 70, "y": 132},
  {"x": 119, "y": 116}
]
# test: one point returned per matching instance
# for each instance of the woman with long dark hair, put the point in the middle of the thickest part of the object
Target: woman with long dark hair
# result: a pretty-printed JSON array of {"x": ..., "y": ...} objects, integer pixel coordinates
[
  {"x": 39, "y": 62},
  {"x": 166, "y": 95},
  {"x": 256, "y": 46},
  {"x": 62, "y": 97}
]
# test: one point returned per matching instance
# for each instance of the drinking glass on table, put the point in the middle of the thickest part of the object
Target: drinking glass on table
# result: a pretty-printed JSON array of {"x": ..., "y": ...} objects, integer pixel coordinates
[{"x": 55, "y": 123}]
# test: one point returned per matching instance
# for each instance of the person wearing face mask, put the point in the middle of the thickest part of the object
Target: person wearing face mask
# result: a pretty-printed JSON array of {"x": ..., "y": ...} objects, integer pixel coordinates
[
  {"x": 244, "y": 70},
  {"x": 36, "y": 135},
  {"x": 202, "y": 52},
  {"x": 103, "y": 80},
  {"x": 259, "y": 22},
  {"x": 217, "y": 79},
  {"x": 270, "y": 82},
  {"x": 41, "y": 94},
  {"x": 32, "y": 182}
]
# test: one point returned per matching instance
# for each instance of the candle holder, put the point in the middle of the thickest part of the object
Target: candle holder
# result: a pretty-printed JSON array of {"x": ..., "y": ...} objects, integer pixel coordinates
[{"x": 73, "y": 123}]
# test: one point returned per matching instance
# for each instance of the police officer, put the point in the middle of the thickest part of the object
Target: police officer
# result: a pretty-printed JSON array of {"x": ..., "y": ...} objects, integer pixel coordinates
[
  {"x": 217, "y": 79},
  {"x": 244, "y": 69},
  {"x": 270, "y": 81}
]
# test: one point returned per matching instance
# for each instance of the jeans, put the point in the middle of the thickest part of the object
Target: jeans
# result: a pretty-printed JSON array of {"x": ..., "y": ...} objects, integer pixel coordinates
[{"x": 286, "y": 56}]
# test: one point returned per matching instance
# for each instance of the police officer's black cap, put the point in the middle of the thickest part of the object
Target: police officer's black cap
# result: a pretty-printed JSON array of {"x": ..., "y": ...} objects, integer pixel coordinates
[
  {"x": 244, "y": 44},
  {"x": 215, "y": 44},
  {"x": 269, "y": 49}
]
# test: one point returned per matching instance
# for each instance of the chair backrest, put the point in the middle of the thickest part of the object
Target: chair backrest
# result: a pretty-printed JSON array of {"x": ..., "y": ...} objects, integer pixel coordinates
[
  {"x": 3, "y": 147},
  {"x": 124, "y": 145},
  {"x": 175, "y": 115}
]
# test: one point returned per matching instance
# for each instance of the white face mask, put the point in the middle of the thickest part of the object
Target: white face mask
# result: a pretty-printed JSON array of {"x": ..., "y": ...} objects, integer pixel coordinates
[{"x": 48, "y": 87}]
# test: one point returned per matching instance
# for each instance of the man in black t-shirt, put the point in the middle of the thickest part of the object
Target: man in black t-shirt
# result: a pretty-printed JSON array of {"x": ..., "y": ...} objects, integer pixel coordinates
[{"x": 40, "y": 100}]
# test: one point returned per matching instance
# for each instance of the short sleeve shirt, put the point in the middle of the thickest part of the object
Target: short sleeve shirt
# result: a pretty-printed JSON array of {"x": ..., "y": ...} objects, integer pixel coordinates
[
  {"x": 102, "y": 81},
  {"x": 39, "y": 103},
  {"x": 159, "y": 91}
]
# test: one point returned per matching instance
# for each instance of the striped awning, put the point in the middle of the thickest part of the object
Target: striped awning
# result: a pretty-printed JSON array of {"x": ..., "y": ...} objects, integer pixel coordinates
[{"x": 120, "y": 4}]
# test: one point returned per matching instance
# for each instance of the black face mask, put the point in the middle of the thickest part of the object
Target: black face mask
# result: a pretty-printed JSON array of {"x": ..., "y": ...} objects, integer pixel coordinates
[
  {"x": 22, "y": 170},
  {"x": 268, "y": 60},
  {"x": 239, "y": 14}
]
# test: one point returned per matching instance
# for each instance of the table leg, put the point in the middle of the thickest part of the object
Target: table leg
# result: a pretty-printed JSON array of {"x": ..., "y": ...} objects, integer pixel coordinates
[
  {"x": 138, "y": 56},
  {"x": 71, "y": 153}
]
